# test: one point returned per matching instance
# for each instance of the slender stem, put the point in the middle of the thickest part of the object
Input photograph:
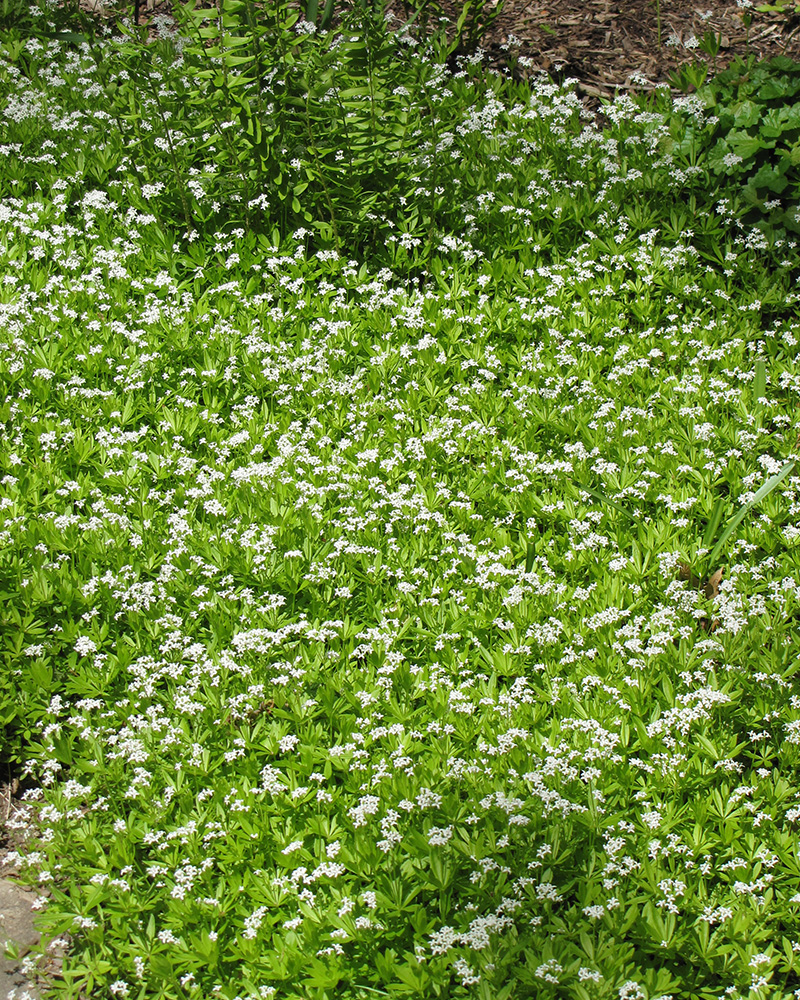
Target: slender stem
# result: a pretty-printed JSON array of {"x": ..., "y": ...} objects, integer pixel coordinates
[
  {"x": 221, "y": 132},
  {"x": 172, "y": 155},
  {"x": 222, "y": 44},
  {"x": 312, "y": 146},
  {"x": 367, "y": 29},
  {"x": 434, "y": 173},
  {"x": 257, "y": 52},
  {"x": 345, "y": 126}
]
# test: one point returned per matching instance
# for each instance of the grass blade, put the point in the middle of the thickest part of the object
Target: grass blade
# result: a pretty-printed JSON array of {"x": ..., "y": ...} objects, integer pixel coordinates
[
  {"x": 765, "y": 490},
  {"x": 713, "y": 523},
  {"x": 604, "y": 499},
  {"x": 759, "y": 383},
  {"x": 327, "y": 15}
]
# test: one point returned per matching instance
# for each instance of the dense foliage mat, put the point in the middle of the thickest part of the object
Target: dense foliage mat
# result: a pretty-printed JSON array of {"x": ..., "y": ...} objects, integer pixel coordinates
[{"x": 361, "y": 633}]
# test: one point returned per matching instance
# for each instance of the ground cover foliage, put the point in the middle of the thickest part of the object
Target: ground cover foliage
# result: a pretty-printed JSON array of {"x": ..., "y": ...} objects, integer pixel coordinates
[{"x": 364, "y": 458}]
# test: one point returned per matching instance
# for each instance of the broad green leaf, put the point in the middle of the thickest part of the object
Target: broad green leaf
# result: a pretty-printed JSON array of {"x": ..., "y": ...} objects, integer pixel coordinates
[
  {"x": 745, "y": 145},
  {"x": 770, "y": 177},
  {"x": 747, "y": 113}
]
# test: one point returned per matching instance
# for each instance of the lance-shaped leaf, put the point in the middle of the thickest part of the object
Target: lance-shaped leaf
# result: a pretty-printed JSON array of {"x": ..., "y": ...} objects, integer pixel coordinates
[
  {"x": 759, "y": 383},
  {"x": 604, "y": 499},
  {"x": 765, "y": 490},
  {"x": 327, "y": 16},
  {"x": 714, "y": 522}
]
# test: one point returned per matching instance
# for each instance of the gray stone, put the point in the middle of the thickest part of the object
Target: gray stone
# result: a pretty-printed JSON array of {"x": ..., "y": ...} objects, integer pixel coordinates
[{"x": 16, "y": 925}]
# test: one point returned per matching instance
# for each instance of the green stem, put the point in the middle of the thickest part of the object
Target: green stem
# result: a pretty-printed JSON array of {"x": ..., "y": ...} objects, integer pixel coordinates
[
  {"x": 222, "y": 43},
  {"x": 257, "y": 54},
  {"x": 367, "y": 27},
  {"x": 434, "y": 174},
  {"x": 173, "y": 156},
  {"x": 314, "y": 152},
  {"x": 345, "y": 127}
]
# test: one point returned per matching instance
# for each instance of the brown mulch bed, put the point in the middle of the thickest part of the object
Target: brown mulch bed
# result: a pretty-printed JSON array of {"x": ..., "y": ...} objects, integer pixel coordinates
[{"x": 607, "y": 45}]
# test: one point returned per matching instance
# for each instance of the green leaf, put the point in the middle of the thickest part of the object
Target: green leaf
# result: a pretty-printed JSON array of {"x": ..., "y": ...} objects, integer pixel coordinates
[
  {"x": 161, "y": 966},
  {"x": 327, "y": 15},
  {"x": 745, "y": 145},
  {"x": 42, "y": 675},
  {"x": 746, "y": 114},
  {"x": 776, "y": 87},
  {"x": 714, "y": 521},
  {"x": 770, "y": 177},
  {"x": 63, "y": 749},
  {"x": 765, "y": 490},
  {"x": 231, "y": 60},
  {"x": 604, "y": 499},
  {"x": 759, "y": 382},
  {"x": 530, "y": 555}
]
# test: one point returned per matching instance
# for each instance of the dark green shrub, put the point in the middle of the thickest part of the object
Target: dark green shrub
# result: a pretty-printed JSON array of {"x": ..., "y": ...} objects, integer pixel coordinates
[{"x": 753, "y": 145}]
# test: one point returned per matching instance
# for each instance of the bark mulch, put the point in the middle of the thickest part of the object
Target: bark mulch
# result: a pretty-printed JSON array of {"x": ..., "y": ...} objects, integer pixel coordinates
[{"x": 611, "y": 46}]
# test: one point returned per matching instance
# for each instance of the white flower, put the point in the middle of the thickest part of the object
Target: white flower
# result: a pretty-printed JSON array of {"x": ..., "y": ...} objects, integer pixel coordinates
[
  {"x": 468, "y": 976},
  {"x": 652, "y": 819},
  {"x": 442, "y": 940},
  {"x": 95, "y": 199},
  {"x": 253, "y": 922},
  {"x": 426, "y": 799},
  {"x": 440, "y": 835},
  {"x": 367, "y": 806}
]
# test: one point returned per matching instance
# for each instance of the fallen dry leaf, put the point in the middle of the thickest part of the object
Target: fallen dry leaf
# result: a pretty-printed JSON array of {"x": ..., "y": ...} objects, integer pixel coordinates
[{"x": 711, "y": 588}]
